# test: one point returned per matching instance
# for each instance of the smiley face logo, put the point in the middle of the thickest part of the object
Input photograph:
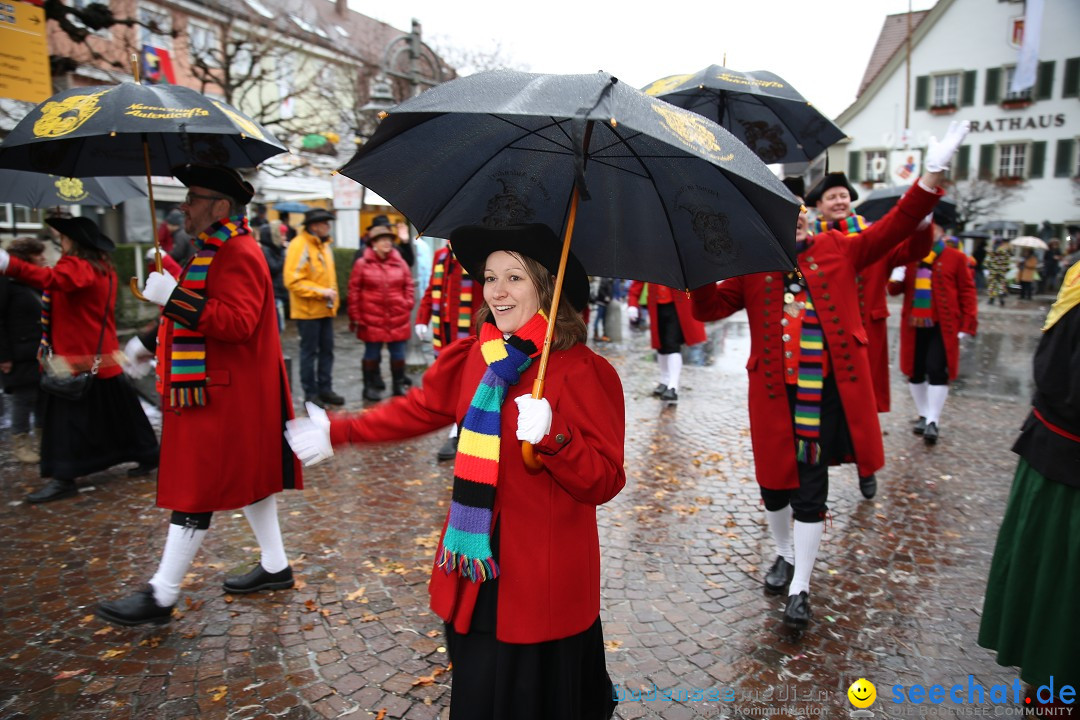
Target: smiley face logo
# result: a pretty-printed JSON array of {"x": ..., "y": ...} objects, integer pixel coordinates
[{"x": 862, "y": 693}]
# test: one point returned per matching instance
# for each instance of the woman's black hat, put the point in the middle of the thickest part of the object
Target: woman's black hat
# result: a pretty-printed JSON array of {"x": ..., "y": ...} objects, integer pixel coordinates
[
  {"x": 82, "y": 230},
  {"x": 831, "y": 180}
]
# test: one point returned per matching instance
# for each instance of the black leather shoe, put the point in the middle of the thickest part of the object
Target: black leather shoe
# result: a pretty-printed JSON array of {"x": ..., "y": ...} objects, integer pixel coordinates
[
  {"x": 920, "y": 426},
  {"x": 259, "y": 579},
  {"x": 930, "y": 435},
  {"x": 139, "y": 608},
  {"x": 659, "y": 390},
  {"x": 868, "y": 486},
  {"x": 315, "y": 400},
  {"x": 670, "y": 396},
  {"x": 371, "y": 394},
  {"x": 54, "y": 490},
  {"x": 331, "y": 398},
  {"x": 142, "y": 469},
  {"x": 448, "y": 451},
  {"x": 779, "y": 576},
  {"x": 797, "y": 614}
]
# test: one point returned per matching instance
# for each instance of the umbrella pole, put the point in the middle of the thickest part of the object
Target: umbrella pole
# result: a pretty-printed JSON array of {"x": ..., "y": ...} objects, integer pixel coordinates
[
  {"x": 528, "y": 454},
  {"x": 134, "y": 282}
]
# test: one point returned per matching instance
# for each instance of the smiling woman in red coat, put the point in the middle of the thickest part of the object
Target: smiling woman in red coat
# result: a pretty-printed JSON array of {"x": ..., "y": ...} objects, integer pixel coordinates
[
  {"x": 517, "y": 573},
  {"x": 380, "y": 302}
]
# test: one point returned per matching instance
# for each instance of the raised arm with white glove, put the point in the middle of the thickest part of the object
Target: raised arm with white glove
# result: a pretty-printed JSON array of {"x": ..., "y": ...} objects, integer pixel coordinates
[
  {"x": 159, "y": 287},
  {"x": 309, "y": 437},
  {"x": 534, "y": 418},
  {"x": 940, "y": 152}
]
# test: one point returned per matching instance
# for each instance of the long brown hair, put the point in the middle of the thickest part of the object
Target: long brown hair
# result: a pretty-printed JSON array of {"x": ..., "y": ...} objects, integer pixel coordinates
[
  {"x": 98, "y": 258},
  {"x": 569, "y": 326}
]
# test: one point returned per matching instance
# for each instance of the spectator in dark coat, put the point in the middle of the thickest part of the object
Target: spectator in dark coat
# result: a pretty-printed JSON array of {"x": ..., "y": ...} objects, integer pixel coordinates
[
  {"x": 273, "y": 238},
  {"x": 20, "y": 337}
]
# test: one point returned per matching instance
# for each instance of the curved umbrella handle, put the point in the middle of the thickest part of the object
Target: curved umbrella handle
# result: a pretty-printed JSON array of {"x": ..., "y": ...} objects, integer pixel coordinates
[
  {"x": 134, "y": 285},
  {"x": 533, "y": 462}
]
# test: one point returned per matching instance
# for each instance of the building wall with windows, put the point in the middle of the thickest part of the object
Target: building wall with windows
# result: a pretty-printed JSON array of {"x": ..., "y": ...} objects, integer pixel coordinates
[{"x": 962, "y": 60}]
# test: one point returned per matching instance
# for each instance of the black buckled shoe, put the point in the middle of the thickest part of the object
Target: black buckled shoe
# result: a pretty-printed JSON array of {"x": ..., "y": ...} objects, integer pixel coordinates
[
  {"x": 55, "y": 489},
  {"x": 448, "y": 451},
  {"x": 930, "y": 435},
  {"x": 779, "y": 576},
  {"x": 670, "y": 396},
  {"x": 797, "y": 613},
  {"x": 259, "y": 579},
  {"x": 920, "y": 426},
  {"x": 138, "y": 608},
  {"x": 868, "y": 486},
  {"x": 331, "y": 398},
  {"x": 659, "y": 390}
]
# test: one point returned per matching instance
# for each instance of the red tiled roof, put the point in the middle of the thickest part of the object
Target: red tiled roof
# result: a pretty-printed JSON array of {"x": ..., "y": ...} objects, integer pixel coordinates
[{"x": 890, "y": 41}]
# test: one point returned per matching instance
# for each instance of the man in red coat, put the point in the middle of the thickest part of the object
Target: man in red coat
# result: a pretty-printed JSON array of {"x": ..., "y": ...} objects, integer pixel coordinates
[
  {"x": 673, "y": 325},
  {"x": 940, "y": 309},
  {"x": 225, "y": 397},
  {"x": 811, "y": 398}
]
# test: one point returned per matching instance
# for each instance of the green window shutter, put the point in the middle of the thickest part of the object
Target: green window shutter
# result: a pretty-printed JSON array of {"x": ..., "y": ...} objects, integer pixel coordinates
[
  {"x": 1038, "y": 159},
  {"x": 922, "y": 92},
  {"x": 993, "y": 86},
  {"x": 853, "y": 165},
  {"x": 1063, "y": 162},
  {"x": 986, "y": 162},
  {"x": 1044, "y": 80},
  {"x": 967, "y": 89},
  {"x": 1071, "y": 86},
  {"x": 962, "y": 163}
]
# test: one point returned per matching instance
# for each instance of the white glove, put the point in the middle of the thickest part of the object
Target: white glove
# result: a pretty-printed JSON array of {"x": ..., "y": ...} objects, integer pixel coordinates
[
  {"x": 939, "y": 153},
  {"x": 534, "y": 418},
  {"x": 633, "y": 313},
  {"x": 309, "y": 437},
  {"x": 421, "y": 331},
  {"x": 898, "y": 273},
  {"x": 138, "y": 358},
  {"x": 962, "y": 335},
  {"x": 925, "y": 222},
  {"x": 159, "y": 287},
  {"x": 3, "y": 259}
]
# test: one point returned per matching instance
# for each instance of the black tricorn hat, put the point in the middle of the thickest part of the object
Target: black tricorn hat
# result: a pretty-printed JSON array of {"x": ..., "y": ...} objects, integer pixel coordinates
[
  {"x": 82, "y": 230},
  {"x": 831, "y": 180},
  {"x": 317, "y": 215},
  {"x": 796, "y": 185},
  {"x": 217, "y": 178},
  {"x": 473, "y": 243}
]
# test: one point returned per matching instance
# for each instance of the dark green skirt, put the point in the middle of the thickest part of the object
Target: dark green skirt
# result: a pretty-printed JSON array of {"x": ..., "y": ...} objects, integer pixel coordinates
[{"x": 1031, "y": 613}]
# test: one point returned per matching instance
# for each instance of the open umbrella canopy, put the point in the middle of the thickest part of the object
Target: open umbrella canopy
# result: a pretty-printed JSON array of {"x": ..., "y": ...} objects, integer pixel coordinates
[
  {"x": 291, "y": 207},
  {"x": 1029, "y": 241},
  {"x": 666, "y": 195},
  {"x": 38, "y": 190},
  {"x": 759, "y": 108},
  {"x": 879, "y": 202},
  {"x": 99, "y": 131}
]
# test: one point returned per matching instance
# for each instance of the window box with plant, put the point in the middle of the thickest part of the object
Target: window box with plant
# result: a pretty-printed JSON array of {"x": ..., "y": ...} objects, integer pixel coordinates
[
  {"x": 945, "y": 109},
  {"x": 1016, "y": 103},
  {"x": 1009, "y": 180}
]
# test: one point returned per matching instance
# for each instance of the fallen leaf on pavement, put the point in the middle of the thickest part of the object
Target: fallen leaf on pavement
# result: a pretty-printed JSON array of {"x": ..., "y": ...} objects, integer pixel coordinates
[
  {"x": 65, "y": 674},
  {"x": 219, "y": 692}
]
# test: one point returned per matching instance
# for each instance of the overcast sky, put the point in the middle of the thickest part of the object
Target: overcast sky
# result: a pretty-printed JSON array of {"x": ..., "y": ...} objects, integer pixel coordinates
[{"x": 820, "y": 47}]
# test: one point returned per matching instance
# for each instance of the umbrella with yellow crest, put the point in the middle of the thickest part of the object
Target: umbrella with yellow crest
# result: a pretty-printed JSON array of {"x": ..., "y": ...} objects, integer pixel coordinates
[{"x": 38, "y": 190}]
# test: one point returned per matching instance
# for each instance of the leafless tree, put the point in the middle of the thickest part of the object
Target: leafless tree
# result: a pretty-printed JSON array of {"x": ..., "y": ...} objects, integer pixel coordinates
[
  {"x": 980, "y": 199},
  {"x": 474, "y": 59}
]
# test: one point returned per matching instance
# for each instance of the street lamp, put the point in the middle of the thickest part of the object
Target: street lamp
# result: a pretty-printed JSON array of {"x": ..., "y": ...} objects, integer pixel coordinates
[{"x": 408, "y": 58}]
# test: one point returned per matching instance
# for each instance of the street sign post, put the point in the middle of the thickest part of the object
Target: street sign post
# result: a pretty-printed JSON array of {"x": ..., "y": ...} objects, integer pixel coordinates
[{"x": 24, "y": 53}]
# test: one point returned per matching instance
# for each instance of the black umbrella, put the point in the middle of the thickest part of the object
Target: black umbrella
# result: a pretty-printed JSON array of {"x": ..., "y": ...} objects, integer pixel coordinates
[
  {"x": 875, "y": 205},
  {"x": 759, "y": 108},
  {"x": 37, "y": 190},
  {"x": 665, "y": 195}
]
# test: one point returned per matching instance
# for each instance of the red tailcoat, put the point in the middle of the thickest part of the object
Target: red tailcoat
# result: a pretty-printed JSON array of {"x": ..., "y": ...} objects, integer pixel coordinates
[
  {"x": 829, "y": 263},
  {"x": 448, "y": 325},
  {"x": 954, "y": 304},
  {"x": 230, "y": 452},
  {"x": 549, "y": 551},
  {"x": 693, "y": 330}
]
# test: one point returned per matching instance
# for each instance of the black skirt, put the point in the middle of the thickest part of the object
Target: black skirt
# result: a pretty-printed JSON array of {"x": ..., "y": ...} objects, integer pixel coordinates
[{"x": 105, "y": 428}]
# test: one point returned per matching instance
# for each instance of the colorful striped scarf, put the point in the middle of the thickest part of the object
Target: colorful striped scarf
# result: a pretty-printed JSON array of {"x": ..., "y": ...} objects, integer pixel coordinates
[
  {"x": 466, "y": 546},
  {"x": 187, "y": 363},
  {"x": 922, "y": 311},
  {"x": 46, "y": 325},
  {"x": 851, "y": 225},
  {"x": 440, "y": 282},
  {"x": 808, "y": 389}
]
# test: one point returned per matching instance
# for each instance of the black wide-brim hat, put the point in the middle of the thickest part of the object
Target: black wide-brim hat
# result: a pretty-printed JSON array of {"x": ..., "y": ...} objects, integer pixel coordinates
[
  {"x": 831, "y": 180},
  {"x": 318, "y": 215},
  {"x": 218, "y": 178},
  {"x": 473, "y": 243},
  {"x": 82, "y": 230}
]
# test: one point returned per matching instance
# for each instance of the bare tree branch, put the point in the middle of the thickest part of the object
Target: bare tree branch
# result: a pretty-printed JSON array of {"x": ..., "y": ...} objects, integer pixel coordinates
[{"x": 979, "y": 199}]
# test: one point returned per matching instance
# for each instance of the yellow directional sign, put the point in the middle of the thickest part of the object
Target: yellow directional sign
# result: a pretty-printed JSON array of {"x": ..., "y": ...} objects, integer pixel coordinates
[{"x": 24, "y": 53}]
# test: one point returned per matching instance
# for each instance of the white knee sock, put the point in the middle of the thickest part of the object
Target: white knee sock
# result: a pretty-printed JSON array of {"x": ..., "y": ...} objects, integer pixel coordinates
[
  {"x": 453, "y": 431},
  {"x": 780, "y": 529},
  {"x": 936, "y": 395},
  {"x": 181, "y": 544},
  {"x": 665, "y": 373},
  {"x": 918, "y": 394},
  {"x": 262, "y": 516},
  {"x": 807, "y": 539},
  {"x": 674, "y": 370}
]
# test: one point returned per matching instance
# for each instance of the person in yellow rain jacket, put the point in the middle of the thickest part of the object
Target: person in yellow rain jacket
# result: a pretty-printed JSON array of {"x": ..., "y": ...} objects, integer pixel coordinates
[{"x": 310, "y": 276}]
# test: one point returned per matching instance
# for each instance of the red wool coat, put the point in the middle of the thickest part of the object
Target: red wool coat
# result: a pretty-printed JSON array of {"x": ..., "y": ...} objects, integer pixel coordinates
[
  {"x": 380, "y": 298},
  {"x": 954, "y": 303},
  {"x": 549, "y": 550},
  {"x": 829, "y": 263},
  {"x": 230, "y": 452},
  {"x": 693, "y": 330}
]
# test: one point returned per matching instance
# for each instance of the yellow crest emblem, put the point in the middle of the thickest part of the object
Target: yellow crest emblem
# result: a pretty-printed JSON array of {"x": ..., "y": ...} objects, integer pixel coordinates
[
  {"x": 663, "y": 85},
  {"x": 692, "y": 131},
  {"x": 58, "y": 118},
  {"x": 247, "y": 126},
  {"x": 71, "y": 189}
]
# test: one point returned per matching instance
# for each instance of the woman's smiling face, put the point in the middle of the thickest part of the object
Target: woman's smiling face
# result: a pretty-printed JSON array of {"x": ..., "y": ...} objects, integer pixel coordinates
[{"x": 509, "y": 292}]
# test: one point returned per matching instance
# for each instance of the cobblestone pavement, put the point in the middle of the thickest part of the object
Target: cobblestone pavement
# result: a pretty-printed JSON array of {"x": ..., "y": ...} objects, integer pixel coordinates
[{"x": 897, "y": 591}]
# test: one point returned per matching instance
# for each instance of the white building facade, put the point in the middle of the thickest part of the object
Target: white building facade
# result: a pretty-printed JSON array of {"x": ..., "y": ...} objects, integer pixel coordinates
[{"x": 963, "y": 56}]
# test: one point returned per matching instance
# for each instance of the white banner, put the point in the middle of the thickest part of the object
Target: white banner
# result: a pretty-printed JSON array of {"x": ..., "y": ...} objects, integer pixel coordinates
[{"x": 1024, "y": 77}]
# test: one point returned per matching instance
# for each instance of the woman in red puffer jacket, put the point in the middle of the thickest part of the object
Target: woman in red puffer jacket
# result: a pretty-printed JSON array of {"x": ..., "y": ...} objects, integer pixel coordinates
[{"x": 380, "y": 305}]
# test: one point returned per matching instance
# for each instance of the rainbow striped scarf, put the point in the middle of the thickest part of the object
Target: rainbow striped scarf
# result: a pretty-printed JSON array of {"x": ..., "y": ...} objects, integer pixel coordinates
[
  {"x": 440, "y": 282},
  {"x": 46, "y": 325},
  {"x": 187, "y": 363},
  {"x": 922, "y": 311},
  {"x": 466, "y": 546},
  {"x": 851, "y": 225},
  {"x": 808, "y": 389}
]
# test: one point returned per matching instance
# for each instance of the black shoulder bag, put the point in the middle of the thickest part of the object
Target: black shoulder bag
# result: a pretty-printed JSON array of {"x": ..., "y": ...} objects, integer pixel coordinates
[{"x": 74, "y": 386}]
